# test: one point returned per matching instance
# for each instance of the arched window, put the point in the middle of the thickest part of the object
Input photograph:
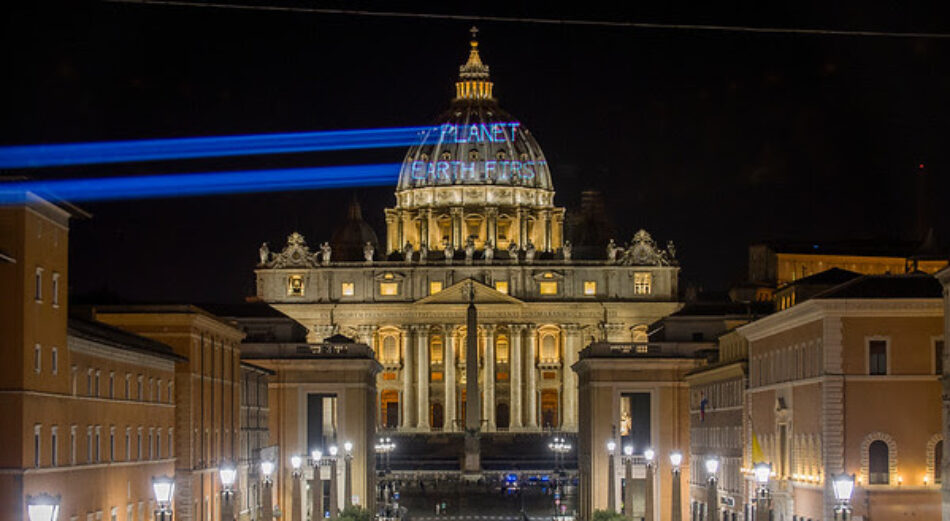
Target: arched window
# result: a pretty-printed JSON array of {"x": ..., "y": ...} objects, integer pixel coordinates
[
  {"x": 549, "y": 348},
  {"x": 878, "y": 464},
  {"x": 390, "y": 351},
  {"x": 501, "y": 350},
  {"x": 435, "y": 349}
]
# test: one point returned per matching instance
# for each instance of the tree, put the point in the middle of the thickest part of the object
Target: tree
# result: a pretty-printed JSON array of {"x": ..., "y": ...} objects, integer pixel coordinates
[
  {"x": 606, "y": 515},
  {"x": 355, "y": 513}
]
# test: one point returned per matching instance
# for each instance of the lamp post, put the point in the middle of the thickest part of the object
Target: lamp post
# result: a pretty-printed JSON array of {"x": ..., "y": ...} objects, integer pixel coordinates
[
  {"x": 316, "y": 488},
  {"x": 712, "y": 489},
  {"x": 228, "y": 474},
  {"x": 164, "y": 488},
  {"x": 649, "y": 454},
  {"x": 43, "y": 507},
  {"x": 295, "y": 503},
  {"x": 843, "y": 486},
  {"x": 267, "y": 501},
  {"x": 628, "y": 481},
  {"x": 611, "y": 477},
  {"x": 334, "y": 499},
  {"x": 347, "y": 474},
  {"x": 383, "y": 448},
  {"x": 677, "y": 511},
  {"x": 763, "y": 497}
]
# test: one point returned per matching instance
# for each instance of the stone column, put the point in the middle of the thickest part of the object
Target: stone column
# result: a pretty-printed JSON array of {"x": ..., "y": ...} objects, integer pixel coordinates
[
  {"x": 424, "y": 216},
  {"x": 296, "y": 512},
  {"x": 400, "y": 230},
  {"x": 944, "y": 277},
  {"x": 457, "y": 240},
  {"x": 515, "y": 371},
  {"x": 450, "y": 387},
  {"x": 531, "y": 378},
  {"x": 407, "y": 367},
  {"x": 489, "y": 379},
  {"x": 422, "y": 390},
  {"x": 522, "y": 227},
  {"x": 572, "y": 339},
  {"x": 491, "y": 231},
  {"x": 546, "y": 219},
  {"x": 365, "y": 336},
  {"x": 318, "y": 333}
]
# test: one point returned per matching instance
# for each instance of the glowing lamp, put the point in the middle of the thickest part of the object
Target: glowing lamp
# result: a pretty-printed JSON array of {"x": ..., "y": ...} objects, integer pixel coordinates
[
  {"x": 611, "y": 446},
  {"x": 267, "y": 467},
  {"x": 43, "y": 507},
  {"x": 649, "y": 454},
  {"x": 712, "y": 465},
  {"x": 333, "y": 450},
  {"x": 843, "y": 486},
  {"x": 628, "y": 450},
  {"x": 762, "y": 472},
  {"x": 316, "y": 455},
  {"x": 348, "y": 446},
  {"x": 164, "y": 488},
  {"x": 295, "y": 462},
  {"x": 228, "y": 474},
  {"x": 676, "y": 458}
]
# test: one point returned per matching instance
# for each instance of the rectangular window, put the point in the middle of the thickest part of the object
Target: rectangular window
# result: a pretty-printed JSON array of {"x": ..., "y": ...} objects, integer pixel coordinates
[
  {"x": 36, "y": 445},
  {"x": 72, "y": 445},
  {"x": 501, "y": 286},
  {"x": 150, "y": 452},
  {"x": 138, "y": 389},
  {"x": 435, "y": 286},
  {"x": 127, "y": 386},
  {"x": 38, "y": 289},
  {"x": 98, "y": 446},
  {"x": 877, "y": 357},
  {"x": 158, "y": 445},
  {"x": 389, "y": 289},
  {"x": 54, "y": 361},
  {"x": 138, "y": 442},
  {"x": 295, "y": 286},
  {"x": 98, "y": 373},
  {"x": 348, "y": 289},
  {"x": 54, "y": 441},
  {"x": 111, "y": 384},
  {"x": 37, "y": 359},
  {"x": 548, "y": 287},
  {"x": 55, "y": 290},
  {"x": 642, "y": 283},
  {"x": 88, "y": 444},
  {"x": 112, "y": 444},
  {"x": 171, "y": 451},
  {"x": 128, "y": 444},
  {"x": 938, "y": 357},
  {"x": 590, "y": 287}
]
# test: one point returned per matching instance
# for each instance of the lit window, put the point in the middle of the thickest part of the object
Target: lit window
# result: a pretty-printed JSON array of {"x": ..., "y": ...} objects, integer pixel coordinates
[
  {"x": 548, "y": 287},
  {"x": 56, "y": 290},
  {"x": 388, "y": 288},
  {"x": 435, "y": 350},
  {"x": 590, "y": 287},
  {"x": 501, "y": 350},
  {"x": 549, "y": 348},
  {"x": 390, "y": 351},
  {"x": 501, "y": 286},
  {"x": 295, "y": 286},
  {"x": 348, "y": 289},
  {"x": 642, "y": 283},
  {"x": 435, "y": 287}
]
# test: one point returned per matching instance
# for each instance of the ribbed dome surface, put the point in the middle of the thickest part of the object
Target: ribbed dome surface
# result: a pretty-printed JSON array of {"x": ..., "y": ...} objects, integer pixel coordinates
[{"x": 475, "y": 141}]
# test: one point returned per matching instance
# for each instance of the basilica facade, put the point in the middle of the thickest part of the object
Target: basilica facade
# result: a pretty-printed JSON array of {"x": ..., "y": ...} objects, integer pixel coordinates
[{"x": 475, "y": 220}]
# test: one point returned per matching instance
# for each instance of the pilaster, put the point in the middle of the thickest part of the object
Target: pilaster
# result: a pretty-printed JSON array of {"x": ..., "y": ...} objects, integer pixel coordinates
[
  {"x": 515, "y": 390},
  {"x": 488, "y": 407},
  {"x": 450, "y": 385},
  {"x": 408, "y": 403},
  {"x": 531, "y": 378},
  {"x": 422, "y": 378},
  {"x": 572, "y": 336}
]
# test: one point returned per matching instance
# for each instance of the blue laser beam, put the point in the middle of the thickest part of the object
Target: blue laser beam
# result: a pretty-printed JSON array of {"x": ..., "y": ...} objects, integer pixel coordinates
[
  {"x": 208, "y": 183},
  {"x": 71, "y": 154}
]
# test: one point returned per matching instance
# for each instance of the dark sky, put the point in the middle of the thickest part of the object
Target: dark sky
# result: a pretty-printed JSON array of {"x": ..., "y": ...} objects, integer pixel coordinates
[{"x": 712, "y": 139}]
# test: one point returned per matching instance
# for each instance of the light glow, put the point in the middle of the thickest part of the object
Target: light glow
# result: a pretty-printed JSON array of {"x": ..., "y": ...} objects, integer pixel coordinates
[
  {"x": 762, "y": 472},
  {"x": 333, "y": 450},
  {"x": 712, "y": 465},
  {"x": 628, "y": 450},
  {"x": 676, "y": 458},
  {"x": 267, "y": 468},
  {"x": 843, "y": 486},
  {"x": 348, "y": 446},
  {"x": 164, "y": 488},
  {"x": 611, "y": 446},
  {"x": 42, "y": 507},
  {"x": 295, "y": 462},
  {"x": 649, "y": 454},
  {"x": 228, "y": 474}
]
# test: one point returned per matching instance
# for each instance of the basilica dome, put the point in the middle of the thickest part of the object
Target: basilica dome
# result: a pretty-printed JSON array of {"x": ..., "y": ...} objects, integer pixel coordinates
[{"x": 475, "y": 142}]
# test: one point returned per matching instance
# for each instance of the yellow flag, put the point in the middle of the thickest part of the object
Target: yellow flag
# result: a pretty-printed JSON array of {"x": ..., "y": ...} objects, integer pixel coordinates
[{"x": 757, "y": 455}]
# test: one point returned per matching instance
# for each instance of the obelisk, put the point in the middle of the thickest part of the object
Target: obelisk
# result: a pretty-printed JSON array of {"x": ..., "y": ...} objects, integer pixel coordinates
[{"x": 471, "y": 461}]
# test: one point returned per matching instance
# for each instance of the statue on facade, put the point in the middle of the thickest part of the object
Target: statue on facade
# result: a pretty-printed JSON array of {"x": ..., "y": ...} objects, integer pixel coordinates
[
  {"x": 513, "y": 251},
  {"x": 529, "y": 251},
  {"x": 469, "y": 250},
  {"x": 449, "y": 251},
  {"x": 423, "y": 253},
  {"x": 489, "y": 251},
  {"x": 567, "y": 250},
  {"x": 368, "y": 252},
  {"x": 325, "y": 252},
  {"x": 407, "y": 252},
  {"x": 264, "y": 253},
  {"x": 671, "y": 249},
  {"x": 612, "y": 251}
]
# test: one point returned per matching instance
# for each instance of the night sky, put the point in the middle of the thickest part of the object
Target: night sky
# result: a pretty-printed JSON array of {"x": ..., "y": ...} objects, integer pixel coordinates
[{"x": 712, "y": 139}]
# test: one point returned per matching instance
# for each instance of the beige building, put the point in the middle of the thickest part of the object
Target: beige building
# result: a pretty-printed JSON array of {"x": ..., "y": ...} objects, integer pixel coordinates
[
  {"x": 944, "y": 277},
  {"x": 207, "y": 390},
  {"x": 847, "y": 383},
  {"x": 88, "y": 409},
  {"x": 255, "y": 436}
]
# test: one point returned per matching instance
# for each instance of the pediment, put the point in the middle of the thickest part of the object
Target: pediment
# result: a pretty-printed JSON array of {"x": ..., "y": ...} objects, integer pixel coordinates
[{"x": 460, "y": 293}]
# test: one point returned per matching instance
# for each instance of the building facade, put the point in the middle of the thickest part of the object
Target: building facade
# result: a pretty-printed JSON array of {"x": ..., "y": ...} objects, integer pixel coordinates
[
  {"x": 474, "y": 220},
  {"x": 255, "y": 436},
  {"x": 944, "y": 277},
  {"x": 846, "y": 382},
  {"x": 207, "y": 393}
]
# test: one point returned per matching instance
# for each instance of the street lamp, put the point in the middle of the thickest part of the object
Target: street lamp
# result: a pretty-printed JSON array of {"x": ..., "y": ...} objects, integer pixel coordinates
[
  {"x": 611, "y": 476},
  {"x": 763, "y": 498},
  {"x": 295, "y": 507},
  {"x": 628, "y": 481},
  {"x": 712, "y": 489},
  {"x": 43, "y": 507},
  {"x": 334, "y": 494},
  {"x": 677, "y": 511},
  {"x": 649, "y": 454},
  {"x": 383, "y": 448},
  {"x": 228, "y": 474},
  {"x": 267, "y": 501},
  {"x": 843, "y": 486},
  {"x": 164, "y": 488},
  {"x": 316, "y": 489},
  {"x": 347, "y": 474}
]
